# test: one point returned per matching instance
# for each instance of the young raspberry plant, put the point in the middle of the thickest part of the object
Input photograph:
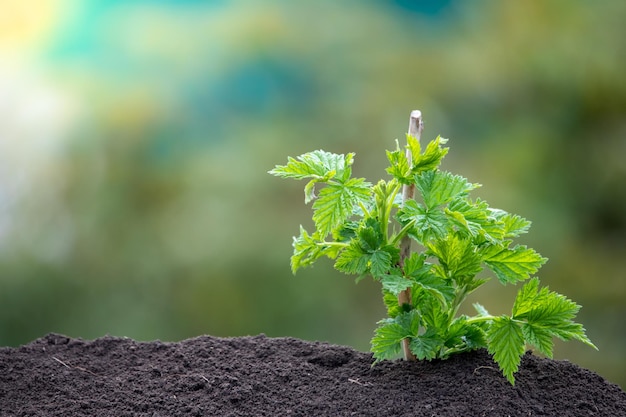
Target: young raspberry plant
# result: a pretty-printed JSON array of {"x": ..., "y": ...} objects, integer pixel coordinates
[{"x": 369, "y": 229}]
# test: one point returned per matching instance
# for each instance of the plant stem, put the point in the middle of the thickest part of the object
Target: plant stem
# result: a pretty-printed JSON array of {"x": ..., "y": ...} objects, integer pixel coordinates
[
  {"x": 416, "y": 126},
  {"x": 337, "y": 244},
  {"x": 479, "y": 319}
]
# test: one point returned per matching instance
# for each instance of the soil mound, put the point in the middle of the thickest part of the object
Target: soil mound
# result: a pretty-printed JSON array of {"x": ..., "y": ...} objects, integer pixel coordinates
[{"x": 260, "y": 376}]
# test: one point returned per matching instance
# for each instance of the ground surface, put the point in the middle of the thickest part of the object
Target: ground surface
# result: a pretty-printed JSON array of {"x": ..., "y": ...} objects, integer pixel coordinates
[{"x": 261, "y": 376}]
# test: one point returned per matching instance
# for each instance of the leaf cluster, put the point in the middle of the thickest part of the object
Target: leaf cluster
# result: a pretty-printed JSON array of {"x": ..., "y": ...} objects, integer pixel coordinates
[{"x": 360, "y": 226}]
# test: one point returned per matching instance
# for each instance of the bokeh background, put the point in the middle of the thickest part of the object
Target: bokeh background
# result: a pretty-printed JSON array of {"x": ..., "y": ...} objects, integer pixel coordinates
[{"x": 135, "y": 137}]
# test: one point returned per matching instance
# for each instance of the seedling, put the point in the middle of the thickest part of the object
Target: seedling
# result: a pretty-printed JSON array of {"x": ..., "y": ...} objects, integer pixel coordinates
[{"x": 369, "y": 229}]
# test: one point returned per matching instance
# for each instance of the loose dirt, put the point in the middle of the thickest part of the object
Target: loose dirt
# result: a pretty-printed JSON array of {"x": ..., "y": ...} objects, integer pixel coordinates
[{"x": 260, "y": 376}]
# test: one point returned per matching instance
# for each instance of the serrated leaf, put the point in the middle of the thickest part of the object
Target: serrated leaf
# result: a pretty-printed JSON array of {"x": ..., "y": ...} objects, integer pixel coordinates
[
  {"x": 380, "y": 262},
  {"x": 414, "y": 147},
  {"x": 573, "y": 331},
  {"x": 370, "y": 235},
  {"x": 415, "y": 264},
  {"x": 316, "y": 164},
  {"x": 426, "y": 347},
  {"x": 441, "y": 187},
  {"x": 437, "y": 287},
  {"x": 547, "y": 314},
  {"x": 474, "y": 337},
  {"x": 475, "y": 219},
  {"x": 434, "y": 317},
  {"x": 527, "y": 297},
  {"x": 387, "y": 340},
  {"x": 463, "y": 336},
  {"x": 368, "y": 252},
  {"x": 512, "y": 265},
  {"x": 457, "y": 256},
  {"x": 492, "y": 232},
  {"x": 421, "y": 274},
  {"x": 391, "y": 303},
  {"x": 429, "y": 224},
  {"x": 335, "y": 203},
  {"x": 399, "y": 165},
  {"x": 363, "y": 255},
  {"x": 457, "y": 218},
  {"x": 539, "y": 337},
  {"x": 432, "y": 156},
  {"x": 346, "y": 232},
  {"x": 395, "y": 284},
  {"x": 513, "y": 225},
  {"x": 307, "y": 249},
  {"x": 353, "y": 260},
  {"x": 389, "y": 335},
  {"x": 410, "y": 322},
  {"x": 505, "y": 342}
]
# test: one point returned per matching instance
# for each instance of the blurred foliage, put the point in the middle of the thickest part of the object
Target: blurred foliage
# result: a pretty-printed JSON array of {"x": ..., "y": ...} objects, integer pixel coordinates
[{"x": 135, "y": 137}]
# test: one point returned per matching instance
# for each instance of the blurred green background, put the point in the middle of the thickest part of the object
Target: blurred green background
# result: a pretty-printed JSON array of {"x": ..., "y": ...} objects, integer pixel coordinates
[{"x": 135, "y": 137}]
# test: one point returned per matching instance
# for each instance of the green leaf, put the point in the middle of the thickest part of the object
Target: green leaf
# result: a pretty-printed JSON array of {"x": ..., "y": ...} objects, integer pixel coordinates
[
  {"x": 416, "y": 264},
  {"x": 353, "y": 260},
  {"x": 380, "y": 262},
  {"x": 432, "y": 156},
  {"x": 399, "y": 165},
  {"x": 317, "y": 165},
  {"x": 335, "y": 203},
  {"x": 527, "y": 297},
  {"x": 429, "y": 224},
  {"x": 440, "y": 187},
  {"x": 512, "y": 265},
  {"x": 387, "y": 340},
  {"x": 547, "y": 314},
  {"x": 307, "y": 249},
  {"x": 457, "y": 256},
  {"x": 505, "y": 341},
  {"x": 388, "y": 337},
  {"x": 391, "y": 303},
  {"x": 367, "y": 252},
  {"x": 474, "y": 337},
  {"x": 434, "y": 317},
  {"x": 414, "y": 146},
  {"x": 437, "y": 287},
  {"x": 422, "y": 276},
  {"x": 539, "y": 337},
  {"x": 513, "y": 225},
  {"x": 346, "y": 232},
  {"x": 426, "y": 346},
  {"x": 363, "y": 255},
  {"x": 370, "y": 235},
  {"x": 410, "y": 322},
  {"x": 395, "y": 284},
  {"x": 572, "y": 331},
  {"x": 463, "y": 336},
  {"x": 384, "y": 193},
  {"x": 475, "y": 219}
]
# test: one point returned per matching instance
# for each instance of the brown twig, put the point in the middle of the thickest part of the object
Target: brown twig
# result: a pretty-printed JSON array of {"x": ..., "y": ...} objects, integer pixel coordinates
[
  {"x": 74, "y": 367},
  {"x": 61, "y": 362},
  {"x": 356, "y": 381},
  {"x": 484, "y": 367}
]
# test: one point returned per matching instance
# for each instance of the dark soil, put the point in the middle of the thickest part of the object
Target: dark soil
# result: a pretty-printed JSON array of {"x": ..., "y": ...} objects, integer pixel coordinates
[{"x": 261, "y": 376}]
